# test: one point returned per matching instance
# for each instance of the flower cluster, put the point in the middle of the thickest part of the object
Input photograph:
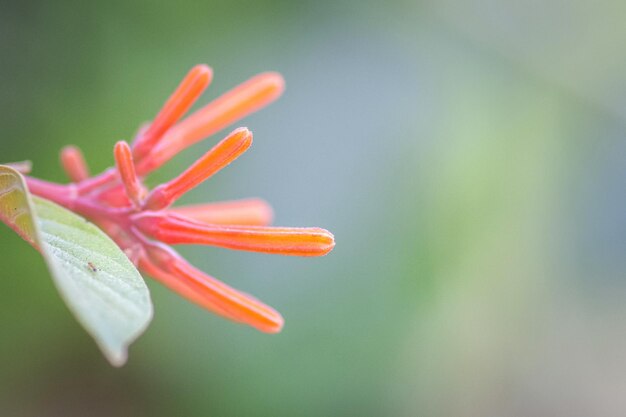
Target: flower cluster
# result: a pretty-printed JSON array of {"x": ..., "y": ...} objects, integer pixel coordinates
[{"x": 144, "y": 223}]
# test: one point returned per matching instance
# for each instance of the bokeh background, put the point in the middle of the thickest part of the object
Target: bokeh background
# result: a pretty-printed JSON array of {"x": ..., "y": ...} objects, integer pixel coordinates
[{"x": 470, "y": 157}]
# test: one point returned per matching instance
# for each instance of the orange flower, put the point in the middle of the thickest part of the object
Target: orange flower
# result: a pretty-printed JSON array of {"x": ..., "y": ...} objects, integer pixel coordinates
[{"x": 144, "y": 224}]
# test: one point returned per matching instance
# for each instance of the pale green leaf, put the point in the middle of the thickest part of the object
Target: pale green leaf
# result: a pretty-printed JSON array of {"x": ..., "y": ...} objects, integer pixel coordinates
[{"x": 95, "y": 278}]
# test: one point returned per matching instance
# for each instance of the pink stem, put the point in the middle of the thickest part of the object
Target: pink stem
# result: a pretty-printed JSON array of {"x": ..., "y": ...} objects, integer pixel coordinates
[
  {"x": 67, "y": 196},
  {"x": 64, "y": 195}
]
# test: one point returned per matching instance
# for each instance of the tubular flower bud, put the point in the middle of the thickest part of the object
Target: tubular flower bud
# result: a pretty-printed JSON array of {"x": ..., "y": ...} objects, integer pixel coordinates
[
  {"x": 174, "y": 272},
  {"x": 294, "y": 241},
  {"x": 126, "y": 168},
  {"x": 214, "y": 160},
  {"x": 73, "y": 162}
]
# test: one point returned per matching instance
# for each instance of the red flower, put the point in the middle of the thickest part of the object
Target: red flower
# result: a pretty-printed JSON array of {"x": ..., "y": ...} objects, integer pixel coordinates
[{"x": 143, "y": 223}]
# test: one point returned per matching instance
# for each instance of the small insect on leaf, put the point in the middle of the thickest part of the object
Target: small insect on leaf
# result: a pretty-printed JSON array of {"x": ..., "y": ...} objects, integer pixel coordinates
[{"x": 92, "y": 267}]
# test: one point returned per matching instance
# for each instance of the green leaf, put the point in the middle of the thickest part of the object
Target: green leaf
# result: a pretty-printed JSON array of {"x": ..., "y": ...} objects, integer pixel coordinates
[{"x": 98, "y": 282}]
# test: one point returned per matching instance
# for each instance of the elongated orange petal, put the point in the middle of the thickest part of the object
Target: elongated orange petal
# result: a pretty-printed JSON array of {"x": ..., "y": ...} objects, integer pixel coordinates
[
  {"x": 212, "y": 294},
  {"x": 191, "y": 87},
  {"x": 74, "y": 164},
  {"x": 126, "y": 168},
  {"x": 251, "y": 212},
  {"x": 294, "y": 241},
  {"x": 234, "y": 105},
  {"x": 214, "y": 160}
]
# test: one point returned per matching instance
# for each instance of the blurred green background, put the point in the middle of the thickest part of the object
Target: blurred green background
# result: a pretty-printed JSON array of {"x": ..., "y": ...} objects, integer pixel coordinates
[{"x": 470, "y": 158}]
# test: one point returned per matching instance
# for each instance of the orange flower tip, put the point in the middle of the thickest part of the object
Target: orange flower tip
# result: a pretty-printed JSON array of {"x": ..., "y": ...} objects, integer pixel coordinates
[
  {"x": 273, "y": 82},
  {"x": 262, "y": 317},
  {"x": 265, "y": 212},
  {"x": 73, "y": 162},
  {"x": 326, "y": 242},
  {"x": 274, "y": 325},
  {"x": 123, "y": 153},
  {"x": 120, "y": 147},
  {"x": 203, "y": 70},
  {"x": 200, "y": 76},
  {"x": 242, "y": 136},
  {"x": 314, "y": 242},
  {"x": 278, "y": 81}
]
